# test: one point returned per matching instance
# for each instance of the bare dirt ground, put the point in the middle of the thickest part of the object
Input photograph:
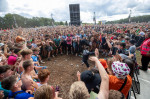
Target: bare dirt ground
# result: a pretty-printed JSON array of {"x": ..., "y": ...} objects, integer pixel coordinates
[{"x": 63, "y": 74}]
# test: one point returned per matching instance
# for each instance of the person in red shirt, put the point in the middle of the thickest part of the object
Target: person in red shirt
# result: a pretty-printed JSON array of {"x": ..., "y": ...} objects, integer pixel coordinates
[{"x": 145, "y": 57}]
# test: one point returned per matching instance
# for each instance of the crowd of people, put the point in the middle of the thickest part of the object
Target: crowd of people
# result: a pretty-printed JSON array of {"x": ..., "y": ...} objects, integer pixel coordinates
[{"x": 23, "y": 50}]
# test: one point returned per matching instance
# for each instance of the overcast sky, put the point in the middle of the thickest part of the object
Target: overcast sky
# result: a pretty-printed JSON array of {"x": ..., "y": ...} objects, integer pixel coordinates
[{"x": 104, "y": 9}]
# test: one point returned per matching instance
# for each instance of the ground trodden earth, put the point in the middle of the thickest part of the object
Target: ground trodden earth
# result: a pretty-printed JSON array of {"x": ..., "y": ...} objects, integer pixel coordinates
[{"x": 63, "y": 70}]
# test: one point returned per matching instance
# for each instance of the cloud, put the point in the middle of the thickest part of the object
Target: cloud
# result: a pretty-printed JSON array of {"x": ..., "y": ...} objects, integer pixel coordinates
[
  {"x": 26, "y": 15},
  {"x": 3, "y": 5},
  {"x": 104, "y": 9}
]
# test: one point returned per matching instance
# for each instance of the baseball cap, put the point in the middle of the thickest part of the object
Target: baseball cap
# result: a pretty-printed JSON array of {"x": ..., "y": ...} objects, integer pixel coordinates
[
  {"x": 142, "y": 33},
  {"x": 1, "y": 44},
  {"x": 104, "y": 63},
  {"x": 91, "y": 80}
]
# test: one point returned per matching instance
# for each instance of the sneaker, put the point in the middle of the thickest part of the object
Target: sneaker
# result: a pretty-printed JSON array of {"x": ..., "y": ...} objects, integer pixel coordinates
[
  {"x": 140, "y": 67},
  {"x": 76, "y": 54},
  {"x": 53, "y": 55},
  {"x": 42, "y": 62},
  {"x": 81, "y": 56}
]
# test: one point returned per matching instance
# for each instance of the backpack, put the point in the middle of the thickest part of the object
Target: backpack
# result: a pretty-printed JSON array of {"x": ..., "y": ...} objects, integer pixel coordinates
[{"x": 145, "y": 48}]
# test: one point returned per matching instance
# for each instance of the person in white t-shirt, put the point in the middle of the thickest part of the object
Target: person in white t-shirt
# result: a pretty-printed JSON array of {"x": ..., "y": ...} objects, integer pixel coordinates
[{"x": 43, "y": 76}]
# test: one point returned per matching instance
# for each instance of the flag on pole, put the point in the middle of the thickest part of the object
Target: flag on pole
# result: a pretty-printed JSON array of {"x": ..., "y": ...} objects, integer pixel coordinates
[{"x": 138, "y": 31}]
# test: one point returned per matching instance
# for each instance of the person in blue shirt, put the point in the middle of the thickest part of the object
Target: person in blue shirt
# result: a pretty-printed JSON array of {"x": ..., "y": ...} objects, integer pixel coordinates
[
  {"x": 35, "y": 59},
  {"x": 5, "y": 71},
  {"x": 14, "y": 84},
  {"x": 64, "y": 37}
]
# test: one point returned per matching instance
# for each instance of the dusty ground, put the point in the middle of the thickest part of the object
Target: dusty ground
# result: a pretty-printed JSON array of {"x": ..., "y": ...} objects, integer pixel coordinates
[{"x": 62, "y": 73}]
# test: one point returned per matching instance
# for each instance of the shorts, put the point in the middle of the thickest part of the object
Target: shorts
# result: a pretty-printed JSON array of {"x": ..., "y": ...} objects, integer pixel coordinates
[
  {"x": 58, "y": 47},
  {"x": 49, "y": 48},
  {"x": 69, "y": 45},
  {"x": 54, "y": 48}
]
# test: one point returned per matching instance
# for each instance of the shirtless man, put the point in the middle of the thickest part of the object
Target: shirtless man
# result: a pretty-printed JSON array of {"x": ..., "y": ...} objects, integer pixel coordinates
[{"x": 27, "y": 79}]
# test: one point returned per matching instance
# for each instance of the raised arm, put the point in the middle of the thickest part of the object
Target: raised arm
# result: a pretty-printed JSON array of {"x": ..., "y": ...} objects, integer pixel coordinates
[
  {"x": 104, "y": 87},
  {"x": 109, "y": 45}
]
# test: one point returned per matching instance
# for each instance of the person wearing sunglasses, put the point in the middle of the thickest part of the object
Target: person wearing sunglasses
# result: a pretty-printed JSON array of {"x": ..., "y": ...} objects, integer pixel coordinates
[
  {"x": 5, "y": 71},
  {"x": 14, "y": 84}
]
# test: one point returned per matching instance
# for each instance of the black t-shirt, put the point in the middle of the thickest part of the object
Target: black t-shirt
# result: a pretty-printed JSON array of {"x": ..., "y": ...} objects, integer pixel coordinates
[
  {"x": 63, "y": 43},
  {"x": 30, "y": 46},
  {"x": 114, "y": 50},
  {"x": 139, "y": 40}
]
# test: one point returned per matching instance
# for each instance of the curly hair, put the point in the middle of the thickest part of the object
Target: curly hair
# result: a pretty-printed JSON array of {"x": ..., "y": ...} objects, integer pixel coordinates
[
  {"x": 114, "y": 94},
  {"x": 44, "y": 92},
  {"x": 78, "y": 90}
]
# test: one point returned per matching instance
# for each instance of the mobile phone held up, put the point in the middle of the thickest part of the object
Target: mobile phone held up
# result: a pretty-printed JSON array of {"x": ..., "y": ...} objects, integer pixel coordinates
[{"x": 57, "y": 88}]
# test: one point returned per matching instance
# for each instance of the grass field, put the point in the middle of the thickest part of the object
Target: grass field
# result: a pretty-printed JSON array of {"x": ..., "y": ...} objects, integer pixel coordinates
[{"x": 138, "y": 57}]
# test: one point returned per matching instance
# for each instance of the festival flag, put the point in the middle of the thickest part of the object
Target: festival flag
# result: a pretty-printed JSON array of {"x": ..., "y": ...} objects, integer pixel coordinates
[{"x": 138, "y": 31}]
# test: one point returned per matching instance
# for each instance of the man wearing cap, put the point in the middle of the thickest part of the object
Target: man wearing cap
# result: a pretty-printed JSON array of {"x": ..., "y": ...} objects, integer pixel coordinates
[
  {"x": 96, "y": 81},
  {"x": 104, "y": 63},
  {"x": 91, "y": 80}
]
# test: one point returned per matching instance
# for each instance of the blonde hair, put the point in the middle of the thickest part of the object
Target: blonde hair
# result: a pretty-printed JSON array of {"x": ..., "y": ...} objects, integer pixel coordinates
[
  {"x": 114, "y": 94},
  {"x": 78, "y": 90},
  {"x": 109, "y": 62},
  {"x": 44, "y": 92}
]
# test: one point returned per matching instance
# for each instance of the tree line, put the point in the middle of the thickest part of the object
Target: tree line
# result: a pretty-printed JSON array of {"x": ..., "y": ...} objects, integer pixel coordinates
[
  {"x": 137, "y": 19},
  {"x": 14, "y": 20}
]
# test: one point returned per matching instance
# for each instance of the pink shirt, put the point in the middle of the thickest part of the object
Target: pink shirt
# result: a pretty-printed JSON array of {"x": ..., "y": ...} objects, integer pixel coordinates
[
  {"x": 12, "y": 59},
  {"x": 69, "y": 40}
]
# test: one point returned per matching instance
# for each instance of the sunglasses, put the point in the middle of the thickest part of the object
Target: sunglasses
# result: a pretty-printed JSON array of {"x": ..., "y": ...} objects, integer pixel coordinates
[{"x": 18, "y": 79}]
